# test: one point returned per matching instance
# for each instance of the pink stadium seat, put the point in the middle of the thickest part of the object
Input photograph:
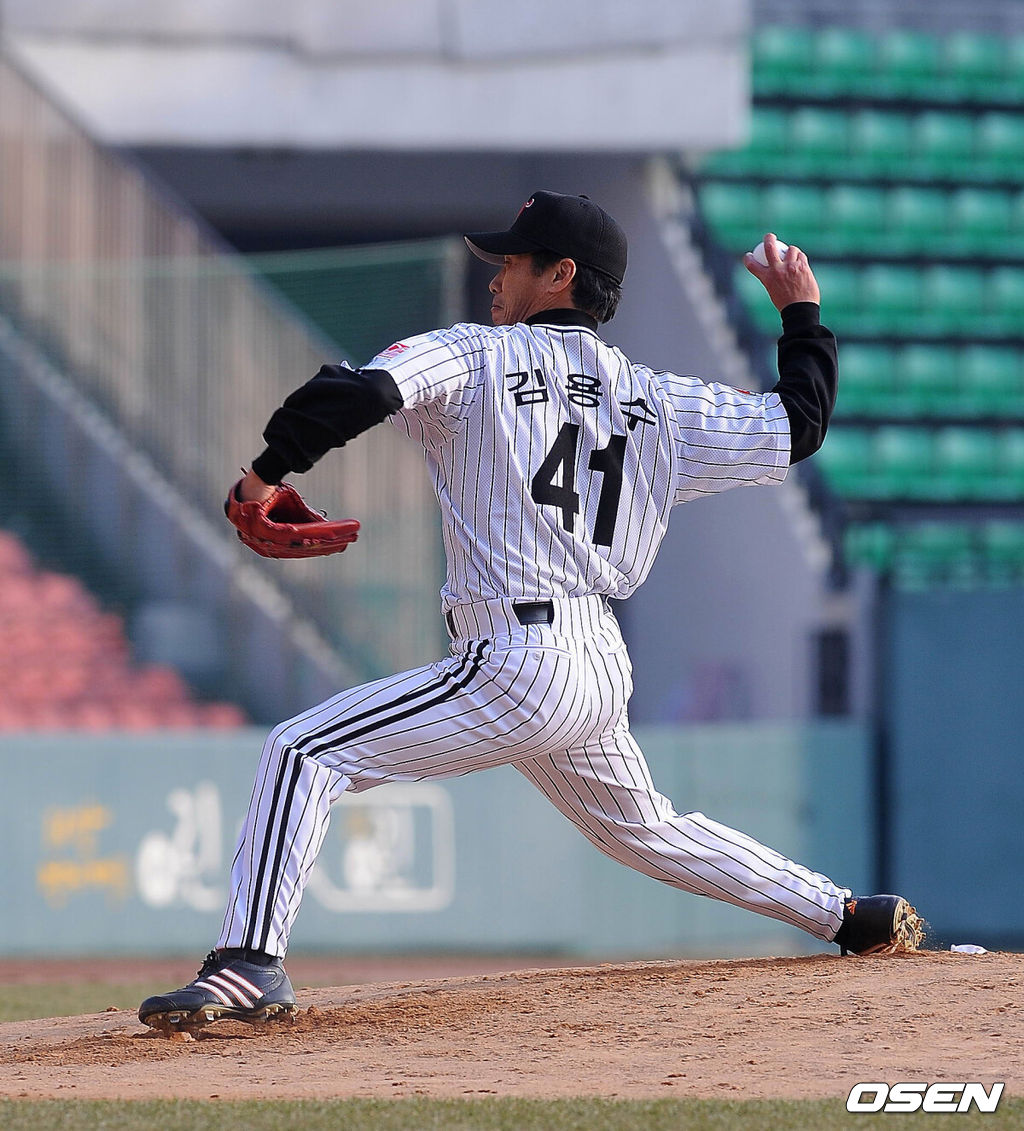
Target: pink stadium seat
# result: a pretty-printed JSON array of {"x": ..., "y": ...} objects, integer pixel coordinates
[
  {"x": 14, "y": 558},
  {"x": 222, "y": 715},
  {"x": 67, "y": 665}
]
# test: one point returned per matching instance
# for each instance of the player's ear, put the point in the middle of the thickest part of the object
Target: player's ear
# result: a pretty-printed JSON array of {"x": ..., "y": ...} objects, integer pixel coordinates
[{"x": 564, "y": 273}]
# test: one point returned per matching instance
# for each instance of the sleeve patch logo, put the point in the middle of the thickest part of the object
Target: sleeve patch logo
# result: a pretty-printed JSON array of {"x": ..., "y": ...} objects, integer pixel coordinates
[{"x": 397, "y": 348}]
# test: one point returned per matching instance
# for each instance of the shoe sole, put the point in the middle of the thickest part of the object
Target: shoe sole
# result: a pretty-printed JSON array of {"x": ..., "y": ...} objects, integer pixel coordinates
[
  {"x": 182, "y": 1021},
  {"x": 907, "y": 932}
]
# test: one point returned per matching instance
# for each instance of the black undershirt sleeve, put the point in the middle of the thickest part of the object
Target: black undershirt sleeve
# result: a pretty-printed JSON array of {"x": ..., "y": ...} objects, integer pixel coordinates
[
  {"x": 808, "y": 377},
  {"x": 329, "y": 410}
]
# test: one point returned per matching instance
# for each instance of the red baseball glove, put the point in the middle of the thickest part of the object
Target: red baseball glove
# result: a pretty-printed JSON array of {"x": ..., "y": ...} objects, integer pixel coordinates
[{"x": 283, "y": 526}]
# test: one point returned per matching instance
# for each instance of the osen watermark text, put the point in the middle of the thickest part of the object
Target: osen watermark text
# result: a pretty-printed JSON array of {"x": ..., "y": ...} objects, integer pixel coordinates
[{"x": 916, "y": 1095}]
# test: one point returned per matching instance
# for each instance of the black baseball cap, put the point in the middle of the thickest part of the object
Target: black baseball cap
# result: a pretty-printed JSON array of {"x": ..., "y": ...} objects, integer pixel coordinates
[{"x": 572, "y": 226}]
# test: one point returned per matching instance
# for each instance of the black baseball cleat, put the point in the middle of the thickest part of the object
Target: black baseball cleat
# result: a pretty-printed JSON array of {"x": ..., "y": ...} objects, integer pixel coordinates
[
  {"x": 226, "y": 987},
  {"x": 879, "y": 924}
]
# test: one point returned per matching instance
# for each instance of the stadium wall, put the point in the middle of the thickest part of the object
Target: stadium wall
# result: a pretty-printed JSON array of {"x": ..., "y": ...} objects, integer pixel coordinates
[
  {"x": 121, "y": 844},
  {"x": 953, "y": 792}
]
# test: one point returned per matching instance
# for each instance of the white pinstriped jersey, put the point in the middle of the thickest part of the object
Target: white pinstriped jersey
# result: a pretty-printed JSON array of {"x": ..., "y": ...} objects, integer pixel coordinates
[{"x": 556, "y": 460}]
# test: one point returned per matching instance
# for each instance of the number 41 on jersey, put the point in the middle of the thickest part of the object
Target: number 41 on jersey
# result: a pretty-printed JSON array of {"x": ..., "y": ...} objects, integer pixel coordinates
[{"x": 555, "y": 481}]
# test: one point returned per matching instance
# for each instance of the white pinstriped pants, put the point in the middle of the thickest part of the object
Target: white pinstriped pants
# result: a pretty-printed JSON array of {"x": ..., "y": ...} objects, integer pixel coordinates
[{"x": 551, "y": 700}]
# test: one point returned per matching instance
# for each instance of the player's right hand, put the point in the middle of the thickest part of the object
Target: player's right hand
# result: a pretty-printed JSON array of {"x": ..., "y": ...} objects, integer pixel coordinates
[{"x": 786, "y": 280}]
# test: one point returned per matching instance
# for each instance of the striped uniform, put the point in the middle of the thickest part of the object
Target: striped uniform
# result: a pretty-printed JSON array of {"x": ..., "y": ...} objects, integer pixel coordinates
[{"x": 556, "y": 462}]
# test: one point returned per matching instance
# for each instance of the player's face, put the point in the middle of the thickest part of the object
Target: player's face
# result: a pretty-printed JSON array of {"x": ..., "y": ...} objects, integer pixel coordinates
[{"x": 517, "y": 291}]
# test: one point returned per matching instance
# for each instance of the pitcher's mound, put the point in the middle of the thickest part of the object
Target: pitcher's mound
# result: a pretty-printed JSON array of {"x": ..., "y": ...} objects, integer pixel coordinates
[{"x": 773, "y": 1027}]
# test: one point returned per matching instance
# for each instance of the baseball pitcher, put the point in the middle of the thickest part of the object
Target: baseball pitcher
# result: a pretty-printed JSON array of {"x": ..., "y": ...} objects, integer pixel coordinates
[{"x": 556, "y": 461}]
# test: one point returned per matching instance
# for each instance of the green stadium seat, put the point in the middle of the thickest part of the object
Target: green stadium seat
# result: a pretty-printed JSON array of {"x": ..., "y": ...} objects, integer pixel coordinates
[
  {"x": 880, "y": 142},
  {"x": 766, "y": 149},
  {"x": 853, "y": 213},
  {"x": 866, "y": 379},
  {"x": 1013, "y": 74},
  {"x": 932, "y": 552},
  {"x": 890, "y": 299},
  {"x": 819, "y": 141},
  {"x": 903, "y": 462},
  {"x": 943, "y": 144},
  {"x": 1005, "y": 293},
  {"x": 955, "y": 302},
  {"x": 840, "y": 294},
  {"x": 1008, "y": 485},
  {"x": 769, "y": 139},
  {"x": 1001, "y": 544},
  {"x": 910, "y": 64},
  {"x": 916, "y": 219},
  {"x": 846, "y": 460},
  {"x": 756, "y": 302},
  {"x": 849, "y": 183},
  {"x": 732, "y": 211},
  {"x": 1016, "y": 237},
  {"x": 844, "y": 62},
  {"x": 781, "y": 58},
  {"x": 795, "y": 212},
  {"x": 965, "y": 464},
  {"x": 991, "y": 380},
  {"x": 976, "y": 65},
  {"x": 999, "y": 144},
  {"x": 926, "y": 381},
  {"x": 870, "y": 544},
  {"x": 982, "y": 221}
]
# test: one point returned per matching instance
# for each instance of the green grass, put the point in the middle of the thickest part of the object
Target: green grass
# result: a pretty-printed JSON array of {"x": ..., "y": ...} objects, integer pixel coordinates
[
  {"x": 478, "y": 1115},
  {"x": 69, "y": 999}
]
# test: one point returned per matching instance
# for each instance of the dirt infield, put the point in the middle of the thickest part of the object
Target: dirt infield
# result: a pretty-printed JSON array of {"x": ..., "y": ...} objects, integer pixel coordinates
[{"x": 758, "y": 1028}]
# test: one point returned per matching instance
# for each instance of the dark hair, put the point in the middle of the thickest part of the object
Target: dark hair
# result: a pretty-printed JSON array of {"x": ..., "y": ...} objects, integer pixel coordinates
[{"x": 593, "y": 291}]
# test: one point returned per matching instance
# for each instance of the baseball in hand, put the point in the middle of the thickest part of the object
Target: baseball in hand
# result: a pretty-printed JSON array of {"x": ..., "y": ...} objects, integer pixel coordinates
[{"x": 762, "y": 258}]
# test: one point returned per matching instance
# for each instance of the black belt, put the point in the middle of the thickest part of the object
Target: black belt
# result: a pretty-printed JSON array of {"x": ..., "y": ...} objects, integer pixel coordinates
[
  {"x": 527, "y": 612},
  {"x": 534, "y": 612}
]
